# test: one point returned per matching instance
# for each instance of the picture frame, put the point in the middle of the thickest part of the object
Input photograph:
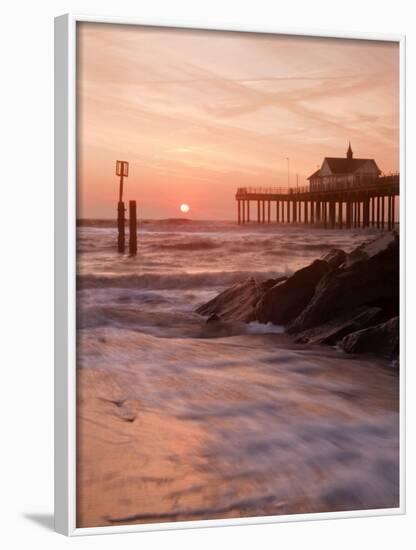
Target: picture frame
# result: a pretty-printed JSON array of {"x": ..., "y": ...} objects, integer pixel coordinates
[{"x": 65, "y": 279}]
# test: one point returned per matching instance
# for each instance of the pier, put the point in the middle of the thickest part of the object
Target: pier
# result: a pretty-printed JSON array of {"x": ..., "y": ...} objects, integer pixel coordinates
[{"x": 367, "y": 203}]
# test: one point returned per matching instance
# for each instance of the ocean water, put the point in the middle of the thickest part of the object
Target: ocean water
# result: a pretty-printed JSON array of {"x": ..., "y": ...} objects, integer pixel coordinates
[{"x": 289, "y": 428}]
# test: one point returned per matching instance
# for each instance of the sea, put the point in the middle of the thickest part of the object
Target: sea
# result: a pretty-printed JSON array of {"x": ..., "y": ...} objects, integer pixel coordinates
[{"x": 302, "y": 428}]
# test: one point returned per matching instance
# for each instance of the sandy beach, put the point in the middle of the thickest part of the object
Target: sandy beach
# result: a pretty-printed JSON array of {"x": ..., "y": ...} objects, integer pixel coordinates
[{"x": 306, "y": 430}]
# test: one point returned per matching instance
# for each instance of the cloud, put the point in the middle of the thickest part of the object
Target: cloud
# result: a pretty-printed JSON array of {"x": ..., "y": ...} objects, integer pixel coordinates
[{"x": 229, "y": 105}]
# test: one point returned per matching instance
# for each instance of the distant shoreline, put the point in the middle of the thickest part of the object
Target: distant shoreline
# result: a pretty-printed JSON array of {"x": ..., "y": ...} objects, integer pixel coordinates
[{"x": 112, "y": 222}]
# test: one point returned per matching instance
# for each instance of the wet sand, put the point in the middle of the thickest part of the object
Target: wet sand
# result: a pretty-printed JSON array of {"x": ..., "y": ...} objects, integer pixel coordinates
[{"x": 242, "y": 426}]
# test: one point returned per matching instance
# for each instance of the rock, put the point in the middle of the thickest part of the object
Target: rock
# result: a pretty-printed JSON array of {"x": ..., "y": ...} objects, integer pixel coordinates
[
  {"x": 238, "y": 303},
  {"x": 284, "y": 301},
  {"x": 270, "y": 283},
  {"x": 382, "y": 339},
  {"x": 334, "y": 258},
  {"x": 213, "y": 318},
  {"x": 333, "y": 331},
  {"x": 372, "y": 281},
  {"x": 372, "y": 248}
]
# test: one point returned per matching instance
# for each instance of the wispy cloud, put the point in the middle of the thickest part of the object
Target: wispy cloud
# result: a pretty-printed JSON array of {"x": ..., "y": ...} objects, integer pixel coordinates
[{"x": 193, "y": 107}]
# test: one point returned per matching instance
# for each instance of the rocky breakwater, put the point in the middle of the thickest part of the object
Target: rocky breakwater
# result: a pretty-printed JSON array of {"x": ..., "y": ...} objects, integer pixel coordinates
[{"x": 347, "y": 299}]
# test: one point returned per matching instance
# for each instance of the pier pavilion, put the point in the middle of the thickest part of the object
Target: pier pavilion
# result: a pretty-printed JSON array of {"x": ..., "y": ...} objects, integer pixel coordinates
[{"x": 344, "y": 193}]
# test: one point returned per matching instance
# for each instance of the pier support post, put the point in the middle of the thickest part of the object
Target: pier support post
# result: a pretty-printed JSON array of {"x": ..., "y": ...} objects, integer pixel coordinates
[
  {"x": 263, "y": 211},
  {"x": 268, "y": 211},
  {"x": 277, "y": 211},
  {"x": 305, "y": 212},
  {"x": 121, "y": 226},
  {"x": 340, "y": 214},
  {"x": 132, "y": 228},
  {"x": 258, "y": 211},
  {"x": 295, "y": 211},
  {"x": 372, "y": 212},
  {"x": 312, "y": 212},
  {"x": 248, "y": 211},
  {"x": 389, "y": 213},
  {"x": 333, "y": 206},
  {"x": 382, "y": 212},
  {"x": 393, "y": 200},
  {"x": 378, "y": 212}
]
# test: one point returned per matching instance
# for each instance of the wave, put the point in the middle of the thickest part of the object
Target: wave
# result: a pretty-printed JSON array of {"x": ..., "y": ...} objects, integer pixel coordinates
[
  {"x": 172, "y": 281},
  {"x": 197, "y": 244},
  {"x": 96, "y": 223}
]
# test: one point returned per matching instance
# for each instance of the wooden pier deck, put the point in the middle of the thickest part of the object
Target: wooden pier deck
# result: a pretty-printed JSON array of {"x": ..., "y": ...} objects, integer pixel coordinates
[{"x": 370, "y": 204}]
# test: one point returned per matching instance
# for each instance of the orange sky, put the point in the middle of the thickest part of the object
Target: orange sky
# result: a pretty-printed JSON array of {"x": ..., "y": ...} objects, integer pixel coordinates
[{"x": 199, "y": 113}]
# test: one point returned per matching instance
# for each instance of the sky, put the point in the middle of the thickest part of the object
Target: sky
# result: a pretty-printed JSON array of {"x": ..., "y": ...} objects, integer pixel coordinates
[{"x": 200, "y": 113}]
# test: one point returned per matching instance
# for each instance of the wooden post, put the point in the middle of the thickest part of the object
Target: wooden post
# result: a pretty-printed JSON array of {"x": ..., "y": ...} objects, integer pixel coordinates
[
  {"x": 340, "y": 214},
  {"x": 122, "y": 170},
  {"x": 263, "y": 211},
  {"x": 258, "y": 211},
  {"x": 132, "y": 227},
  {"x": 277, "y": 211},
  {"x": 295, "y": 211},
  {"x": 248, "y": 211},
  {"x": 382, "y": 212},
  {"x": 372, "y": 212},
  {"x": 333, "y": 214},
  {"x": 121, "y": 226},
  {"x": 389, "y": 213},
  {"x": 393, "y": 201},
  {"x": 268, "y": 211},
  {"x": 312, "y": 212},
  {"x": 378, "y": 212},
  {"x": 305, "y": 212},
  {"x": 238, "y": 212}
]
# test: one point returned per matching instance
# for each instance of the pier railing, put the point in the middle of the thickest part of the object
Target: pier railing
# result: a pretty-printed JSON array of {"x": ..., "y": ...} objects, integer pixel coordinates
[
  {"x": 361, "y": 183},
  {"x": 363, "y": 202}
]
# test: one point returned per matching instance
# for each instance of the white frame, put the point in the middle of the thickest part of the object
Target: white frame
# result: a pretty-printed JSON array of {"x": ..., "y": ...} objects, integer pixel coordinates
[{"x": 65, "y": 270}]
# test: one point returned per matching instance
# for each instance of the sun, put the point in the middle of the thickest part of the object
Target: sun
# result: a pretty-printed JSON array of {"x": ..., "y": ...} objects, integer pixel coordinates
[{"x": 184, "y": 208}]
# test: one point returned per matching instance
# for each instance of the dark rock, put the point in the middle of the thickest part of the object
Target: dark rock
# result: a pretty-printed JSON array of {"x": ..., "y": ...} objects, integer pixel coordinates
[
  {"x": 284, "y": 301},
  {"x": 334, "y": 258},
  {"x": 236, "y": 303},
  {"x": 332, "y": 332},
  {"x": 270, "y": 283},
  {"x": 213, "y": 318},
  {"x": 371, "y": 248},
  {"x": 382, "y": 339},
  {"x": 371, "y": 281}
]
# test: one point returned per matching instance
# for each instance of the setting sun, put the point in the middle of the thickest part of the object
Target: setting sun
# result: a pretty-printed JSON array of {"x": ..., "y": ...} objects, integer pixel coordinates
[{"x": 184, "y": 208}]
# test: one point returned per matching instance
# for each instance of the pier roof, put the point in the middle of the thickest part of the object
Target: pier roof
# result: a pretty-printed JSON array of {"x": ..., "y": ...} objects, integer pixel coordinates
[{"x": 342, "y": 165}]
